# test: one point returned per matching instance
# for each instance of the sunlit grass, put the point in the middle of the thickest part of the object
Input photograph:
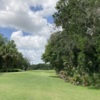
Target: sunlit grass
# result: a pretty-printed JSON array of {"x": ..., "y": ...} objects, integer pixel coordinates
[{"x": 42, "y": 85}]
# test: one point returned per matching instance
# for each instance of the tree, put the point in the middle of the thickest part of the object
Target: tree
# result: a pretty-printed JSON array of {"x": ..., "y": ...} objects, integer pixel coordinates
[
  {"x": 52, "y": 54},
  {"x": 76, "y": 48},
  {"x": 10, "y": 58}
]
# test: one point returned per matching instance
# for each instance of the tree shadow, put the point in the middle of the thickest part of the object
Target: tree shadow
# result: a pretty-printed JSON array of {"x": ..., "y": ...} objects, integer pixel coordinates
[
  {"x": 1, "y": 73},
  {"x": 94, "y": 87},
  {"x": 54, "y": 76}
]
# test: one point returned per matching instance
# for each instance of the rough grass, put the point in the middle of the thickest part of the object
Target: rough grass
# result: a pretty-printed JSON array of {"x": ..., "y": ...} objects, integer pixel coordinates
[{"x": 41, "y": 85}]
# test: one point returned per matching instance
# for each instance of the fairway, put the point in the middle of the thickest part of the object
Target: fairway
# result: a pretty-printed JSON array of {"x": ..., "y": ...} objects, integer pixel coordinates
[{"x": 41, "y": 85}]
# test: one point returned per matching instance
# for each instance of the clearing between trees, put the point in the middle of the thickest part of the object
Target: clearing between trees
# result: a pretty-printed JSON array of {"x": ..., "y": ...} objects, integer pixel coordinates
[{"x": 42, "y": 85}]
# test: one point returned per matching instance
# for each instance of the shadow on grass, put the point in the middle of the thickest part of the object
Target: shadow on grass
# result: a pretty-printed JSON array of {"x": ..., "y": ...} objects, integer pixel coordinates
[
  {"x": 94, "y": 87},
  {"x": 54, "y": 76},
  {"x": 1, "y": 73}
]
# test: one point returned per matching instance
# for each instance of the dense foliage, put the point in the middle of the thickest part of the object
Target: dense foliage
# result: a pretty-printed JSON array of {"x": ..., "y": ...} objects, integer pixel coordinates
[
  {"x": 10, "y": 58},
  {"x": 75, "y": 51}
]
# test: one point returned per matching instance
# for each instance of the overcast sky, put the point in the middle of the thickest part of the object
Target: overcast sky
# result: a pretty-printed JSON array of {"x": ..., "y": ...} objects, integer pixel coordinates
[{"x": 29, "y": 23}]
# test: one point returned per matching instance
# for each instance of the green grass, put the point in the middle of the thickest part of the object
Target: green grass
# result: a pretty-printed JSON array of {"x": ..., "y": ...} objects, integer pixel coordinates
[{"x": 41, "y": 85}]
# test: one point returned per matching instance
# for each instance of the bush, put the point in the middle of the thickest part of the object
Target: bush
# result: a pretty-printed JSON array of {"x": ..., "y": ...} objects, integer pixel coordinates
[
  {"x": 11, "y": 70},
  {"x": 81, "y": 79},
  {"x": 86, "y": 80},
  {"x": 95, "y": 80}
]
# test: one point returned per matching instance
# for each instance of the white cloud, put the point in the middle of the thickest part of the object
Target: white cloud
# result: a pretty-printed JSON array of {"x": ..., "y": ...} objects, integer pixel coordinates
[
  {"x": 28, "y": 42},
  {"x": 31, "y": 46},
  {"x": 17, "y": 14},
  {"x": 33, "y": 55},
  {"x": 48, "y": 8}
]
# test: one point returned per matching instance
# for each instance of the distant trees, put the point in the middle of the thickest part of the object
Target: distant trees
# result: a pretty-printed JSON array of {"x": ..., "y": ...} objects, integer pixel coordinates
[
  {"x": 10, "y": 58},
  {"x": 75, "y": 51},
  {"x": 40, "y": 66}
]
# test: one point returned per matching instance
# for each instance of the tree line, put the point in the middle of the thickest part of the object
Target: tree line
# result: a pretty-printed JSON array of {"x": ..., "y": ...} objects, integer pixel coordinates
[
  {"x": 75, "y": 51},
  {"x": 10, "y": 58},
  {"x": 40, "y": 66}
]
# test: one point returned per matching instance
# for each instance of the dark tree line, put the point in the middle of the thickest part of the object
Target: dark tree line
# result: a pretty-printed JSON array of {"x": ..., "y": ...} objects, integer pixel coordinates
[
  {"x": 10, "y": 58},
  {"x": 75, "y": 51},
  {"x": 40, "y": 66}
]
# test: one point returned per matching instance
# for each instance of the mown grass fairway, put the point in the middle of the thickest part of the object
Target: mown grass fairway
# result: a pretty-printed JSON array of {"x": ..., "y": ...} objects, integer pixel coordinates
[{"x": 41, "y": 85}]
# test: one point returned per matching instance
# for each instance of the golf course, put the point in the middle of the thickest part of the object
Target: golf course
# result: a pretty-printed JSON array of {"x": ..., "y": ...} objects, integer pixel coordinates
[{"x": 42, "y": 85}]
